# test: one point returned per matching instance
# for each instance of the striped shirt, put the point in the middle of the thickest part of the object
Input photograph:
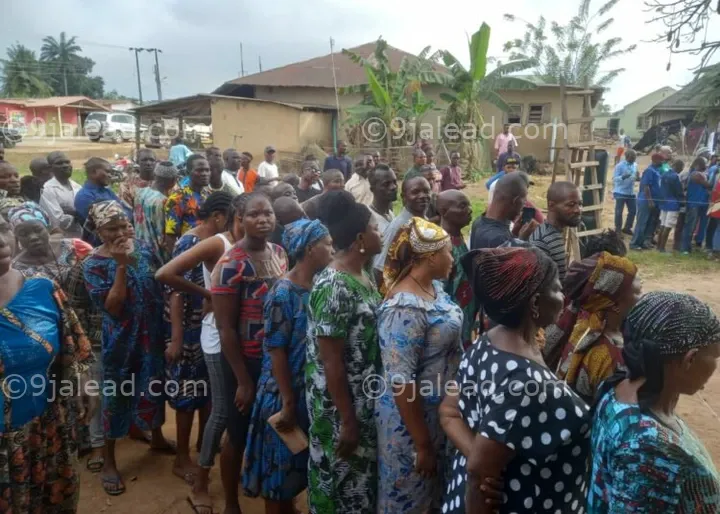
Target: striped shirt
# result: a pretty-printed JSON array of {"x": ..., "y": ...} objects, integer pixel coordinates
[{"x": 551, "y": 241}]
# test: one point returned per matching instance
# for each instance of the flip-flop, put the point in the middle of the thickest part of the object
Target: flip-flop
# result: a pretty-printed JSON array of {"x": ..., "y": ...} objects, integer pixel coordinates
[
  {"x": 199, "y": 508},
  {"x": 106, "y": 481},
  {"x": 95, "y": 464}
]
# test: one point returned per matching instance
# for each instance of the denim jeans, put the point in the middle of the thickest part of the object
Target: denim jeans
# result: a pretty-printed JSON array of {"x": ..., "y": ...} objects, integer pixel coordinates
[
  {"x": 691, "y": 221},
  {"x": 217, "y": 422},
  {"x": 716, "y": 236},
  {"x": 96, "y": 427},
  {"x": 620, "y": 202},
  {"x": 710, "y": 232},
  {"x": 643, "y": 225},
  {"x": 702, "y": 226}
]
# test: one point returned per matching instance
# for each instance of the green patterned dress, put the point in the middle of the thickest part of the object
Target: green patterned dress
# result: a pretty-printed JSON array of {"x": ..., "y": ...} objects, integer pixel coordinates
[{"x": 343, "y": 307}]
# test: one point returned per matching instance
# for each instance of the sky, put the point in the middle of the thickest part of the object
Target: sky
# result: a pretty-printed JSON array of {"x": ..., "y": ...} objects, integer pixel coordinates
[{"x": 200, "y": 41}]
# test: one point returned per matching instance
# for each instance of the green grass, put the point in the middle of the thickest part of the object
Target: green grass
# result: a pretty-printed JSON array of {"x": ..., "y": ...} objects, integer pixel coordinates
[{"x": 655, "y": 264}]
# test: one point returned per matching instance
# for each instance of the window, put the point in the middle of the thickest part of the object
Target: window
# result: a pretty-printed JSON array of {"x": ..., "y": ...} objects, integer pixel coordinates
[
  {"x": 514, "y": 116},
  {"x": 539, "y": 113},
  {"x": 641, "y": 123}
]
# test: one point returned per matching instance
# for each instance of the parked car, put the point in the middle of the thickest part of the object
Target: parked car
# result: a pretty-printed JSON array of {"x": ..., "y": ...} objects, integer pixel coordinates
[
  {"x": 115, "y": 126},
  {"x": 9, "y": 136}
]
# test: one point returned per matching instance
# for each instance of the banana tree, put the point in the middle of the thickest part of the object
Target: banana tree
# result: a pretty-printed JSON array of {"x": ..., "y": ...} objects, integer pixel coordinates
[
  {"x": 471, "y": 87},
  {"x": 392, "y": 99}
]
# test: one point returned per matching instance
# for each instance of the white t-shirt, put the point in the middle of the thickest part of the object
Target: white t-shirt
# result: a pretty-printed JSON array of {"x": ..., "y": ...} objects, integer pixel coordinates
[
  {"x": 268, "y": 170},
  {"x": 209, "y": 335},
  {"x": 230, "y": 180}
]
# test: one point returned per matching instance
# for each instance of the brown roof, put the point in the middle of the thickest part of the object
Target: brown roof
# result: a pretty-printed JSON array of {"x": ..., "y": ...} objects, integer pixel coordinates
[
  {"x": 58, "y": 101},
  {"x": 317, "y": 72}
]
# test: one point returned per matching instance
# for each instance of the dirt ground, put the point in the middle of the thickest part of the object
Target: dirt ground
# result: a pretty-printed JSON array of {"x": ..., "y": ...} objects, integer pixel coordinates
[{"x": 153, "y": 489}]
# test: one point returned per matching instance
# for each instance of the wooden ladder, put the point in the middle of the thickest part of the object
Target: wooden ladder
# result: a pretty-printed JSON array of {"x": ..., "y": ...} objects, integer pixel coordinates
[{"x": 580, "y": 157}]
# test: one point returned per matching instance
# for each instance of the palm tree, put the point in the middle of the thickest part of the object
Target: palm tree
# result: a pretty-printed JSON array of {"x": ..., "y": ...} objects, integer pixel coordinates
[
  {"x": 21, "y": 74},
  {"x": 471, "y": 87},
  {"x": 62, "y": 53},
  {"x": 393, "y": 99},
  {"x": 570, "y": 53}
]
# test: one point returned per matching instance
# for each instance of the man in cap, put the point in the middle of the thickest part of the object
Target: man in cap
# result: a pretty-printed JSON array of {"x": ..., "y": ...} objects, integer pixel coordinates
[
  {"x": 149, "y": 208},
  {"x": 268, "y": 169}
]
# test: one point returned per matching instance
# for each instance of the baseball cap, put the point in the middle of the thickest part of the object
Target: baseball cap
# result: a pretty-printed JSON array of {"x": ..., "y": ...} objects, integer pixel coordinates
[{"x": 269, "y": 149}]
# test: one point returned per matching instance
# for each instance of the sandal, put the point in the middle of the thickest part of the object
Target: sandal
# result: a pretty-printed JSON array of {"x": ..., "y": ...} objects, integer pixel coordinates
[
  {"x": 95, "y": 464},
  {"x": 116, "y": 481},
  {"x": 199, "y": 508}
]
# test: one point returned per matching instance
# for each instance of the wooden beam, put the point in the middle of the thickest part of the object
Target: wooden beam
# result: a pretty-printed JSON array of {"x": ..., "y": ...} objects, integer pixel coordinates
[
  {"x": 592, "y": 208},
  {"x": 577, "y": 121},
  {"x": 583, "y": 164},
  {"x": 593, "y": 187},
  {"x": 592, "y": 232},
  {"x": 581, "y": 92},
  {"x": 582, "y": 144}
]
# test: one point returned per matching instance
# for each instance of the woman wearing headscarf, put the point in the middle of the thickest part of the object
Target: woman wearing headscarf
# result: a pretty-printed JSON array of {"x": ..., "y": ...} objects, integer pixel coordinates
[
  {"x": 183, "y": 352},
  {"x": 420, "y": 332},
  {"x": 512, "y": 417},
  {"x": 270, "y": 468},
  {"x": 342, "y": 353},
  {"x": 599, "y": 293},
  {"x": 43, "y": 346},
  {"x": 120, "y": 278},
  {"x": 61, "y": 261},
  {"x": 645, "y": 458}
]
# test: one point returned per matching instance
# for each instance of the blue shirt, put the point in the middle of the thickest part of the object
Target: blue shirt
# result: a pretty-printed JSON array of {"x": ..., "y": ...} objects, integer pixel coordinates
[
  {"x": 344, "y": 164},
  {"x": 697, "y": 194},
  {"x": 713, "y": 174},
  {"x": 500, "y": 174},
  {"x": 92, "y": 193},
  {"x": 671, "y": 192},
  {"x": 179, "y": 154},
  {"x": 651, "y": 179},
  {"x": 625, "y": 186}
]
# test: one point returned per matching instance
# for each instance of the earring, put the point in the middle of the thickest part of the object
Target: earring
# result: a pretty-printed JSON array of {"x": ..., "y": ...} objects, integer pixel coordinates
[{"x": 362, "y": 249}]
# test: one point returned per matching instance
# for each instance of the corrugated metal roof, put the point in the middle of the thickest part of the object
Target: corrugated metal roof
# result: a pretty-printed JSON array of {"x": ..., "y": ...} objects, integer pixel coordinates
[
  {"x": 56, "y": 101},
  {"x": 200, "y": 105},
  {"x": 318, "y": 72}
]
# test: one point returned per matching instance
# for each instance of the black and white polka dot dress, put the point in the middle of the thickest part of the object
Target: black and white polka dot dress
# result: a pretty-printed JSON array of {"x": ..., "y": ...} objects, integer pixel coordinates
[{"x": 525, "y": 407}]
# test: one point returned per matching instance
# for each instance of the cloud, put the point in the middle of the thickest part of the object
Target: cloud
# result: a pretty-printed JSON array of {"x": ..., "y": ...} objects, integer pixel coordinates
[{"x": 201, "y": 40}]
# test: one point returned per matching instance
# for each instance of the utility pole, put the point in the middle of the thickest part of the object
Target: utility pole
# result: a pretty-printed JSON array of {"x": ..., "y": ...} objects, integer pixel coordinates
[
  {"x": 242, "y": 62},
  {"x": 137, "y": 67},
  {"x": 260, "y": 63},
  {"x": 158, "y": 83}
]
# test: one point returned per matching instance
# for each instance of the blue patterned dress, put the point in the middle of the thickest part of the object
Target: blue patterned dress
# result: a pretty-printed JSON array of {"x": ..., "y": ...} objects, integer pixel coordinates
[
  {"x": 189, "y": 375},
  {"x": 270, "y": 469},
  {"x": 640, "y": 465},
  {"x": 132, "y": 344},
  {"x": 420, "y": 341}
]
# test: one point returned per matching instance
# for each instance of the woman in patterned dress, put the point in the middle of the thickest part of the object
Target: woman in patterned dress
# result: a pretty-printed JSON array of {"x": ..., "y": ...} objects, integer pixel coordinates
[
  {"x": 342, "y": 355},
  {"x": 240, "y": 281},
  {"x": 120, "y": 278},
  {"x": 61, "y": 261},
  {"x": 512, "y": 417},
  {"x": 40, "y": 338},
  {"x": 645, "y": 458},
  {"x": 599, "y": 293},
  {"x": 271, "y": 470},
  {"x": 186, "y": 368},
  {"x": 420, "y": 332}
]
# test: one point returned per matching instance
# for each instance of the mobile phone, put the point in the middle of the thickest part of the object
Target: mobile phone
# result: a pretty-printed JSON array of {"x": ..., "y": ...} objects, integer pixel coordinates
[{"x": 528, "y": 214}]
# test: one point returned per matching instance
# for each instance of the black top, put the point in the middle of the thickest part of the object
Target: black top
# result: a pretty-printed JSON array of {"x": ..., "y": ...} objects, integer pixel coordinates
[
  {"x": 522, "y": 405},
  {"x": 489, "y": 233},
  {"x": 305, "y": 195}
]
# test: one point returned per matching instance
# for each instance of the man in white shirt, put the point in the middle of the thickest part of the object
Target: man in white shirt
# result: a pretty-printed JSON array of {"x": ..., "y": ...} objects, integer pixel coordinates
[
  {"x": 58, "y": 198},
  {"x": 268, "y": 169},
  {"x": 359, "y": 185},
  {"x": 233, "y": 160}
]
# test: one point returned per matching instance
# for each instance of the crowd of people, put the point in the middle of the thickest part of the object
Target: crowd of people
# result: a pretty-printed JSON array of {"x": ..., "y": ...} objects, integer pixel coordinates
[
  {"x": 381, "y": 362},
  {"x": 672, "y": 198}
]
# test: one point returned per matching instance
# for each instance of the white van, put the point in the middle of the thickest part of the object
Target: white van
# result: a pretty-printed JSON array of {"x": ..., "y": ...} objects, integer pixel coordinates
[{"x": 116, "y": 126}]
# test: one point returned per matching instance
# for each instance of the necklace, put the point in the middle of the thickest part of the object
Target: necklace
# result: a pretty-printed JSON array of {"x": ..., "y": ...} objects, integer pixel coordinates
[{"x": 423, "y": 289}]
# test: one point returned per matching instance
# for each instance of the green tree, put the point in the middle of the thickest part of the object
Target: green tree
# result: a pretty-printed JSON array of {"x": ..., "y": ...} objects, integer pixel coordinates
[
  {"x": 568, "y": 51},
  {"x": 393, "y": 99},
  {"x": 21, "y": 74},
  {"x": 470, "y": 88},
  {"x": 62, "y": 57}
]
